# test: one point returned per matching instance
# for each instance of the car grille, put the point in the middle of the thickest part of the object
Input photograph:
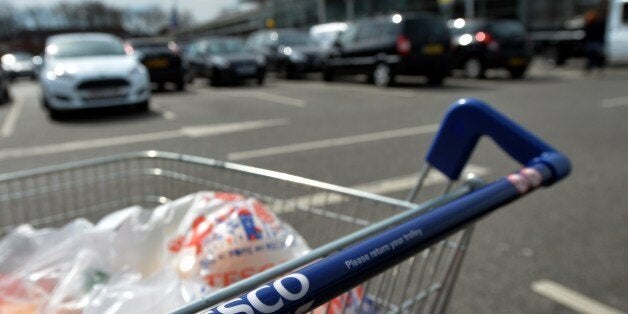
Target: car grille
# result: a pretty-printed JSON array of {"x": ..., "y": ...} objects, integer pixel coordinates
[{"x": 103, "y": 83}]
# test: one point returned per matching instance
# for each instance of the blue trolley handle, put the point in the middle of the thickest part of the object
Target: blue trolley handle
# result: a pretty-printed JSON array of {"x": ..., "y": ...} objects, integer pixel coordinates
[
  {"x": 468, "y": 120},
  {"x": 313, "y": 285}
]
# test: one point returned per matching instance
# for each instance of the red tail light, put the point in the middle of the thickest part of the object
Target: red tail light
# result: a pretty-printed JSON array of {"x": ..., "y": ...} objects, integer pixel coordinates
[
  {"x": 404, "y": 46},
  {"x": 484, "y": 37}
]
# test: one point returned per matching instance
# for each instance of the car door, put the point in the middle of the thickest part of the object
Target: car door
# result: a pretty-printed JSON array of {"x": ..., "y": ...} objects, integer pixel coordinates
[{"x": 340, "y": 55}]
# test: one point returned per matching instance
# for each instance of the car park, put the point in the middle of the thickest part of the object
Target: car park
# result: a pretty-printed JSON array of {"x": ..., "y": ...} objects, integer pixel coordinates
[
  {"x": 383, "y": 47},
  {"x": 480, "y": 45},
  {"x": 163, "y": 59},
  {"x": 19, "y": 64},
  {"x": 225, "y": 60},
  {"x": 91, "y": 70},
  {"x": 289, "y": 52}
]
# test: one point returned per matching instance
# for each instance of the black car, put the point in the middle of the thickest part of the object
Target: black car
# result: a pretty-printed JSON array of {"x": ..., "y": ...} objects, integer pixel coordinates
[
  {"x": 162, "y": 57},
  {"x": 289, "y": 52},
  {"x": 4, "y": 87},
  {"x": 386, "y": 46},
  {"x": 225, "y": 60},
  {"x": 480, "y": 45},
  {"x": 19, "y": 64}
]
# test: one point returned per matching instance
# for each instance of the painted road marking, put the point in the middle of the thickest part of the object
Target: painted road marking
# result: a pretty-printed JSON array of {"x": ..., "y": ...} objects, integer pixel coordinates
[
  {"x": 352, "y": 88},
  {"x": 571, "y": 299},
  {"x": 381, "y": 187},
  {"x": 268, "y": 97},
  {"x": 615, "y": 102},
  {"x": 333, "y": 142},
  {"x": 10, "y": 121},
  {"x": 190, "y": 131}
]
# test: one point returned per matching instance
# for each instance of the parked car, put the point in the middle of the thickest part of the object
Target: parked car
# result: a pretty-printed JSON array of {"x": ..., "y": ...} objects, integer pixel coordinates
[
  {"x": 289, "y": 52},
  {"x": 19, "y": 64},
  {"x": 479, "y": 45},
  {"x": 386, "y": 46},
  {"x": 617, "y": 32},
  {"x": 91, "y": 70},
  {"x": 5, "y": 96},
  {"x": 163, "y": 59},
  {"x": 224, "y": 60}
]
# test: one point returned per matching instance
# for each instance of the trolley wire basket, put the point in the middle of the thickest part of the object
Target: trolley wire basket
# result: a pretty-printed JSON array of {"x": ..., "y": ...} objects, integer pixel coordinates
[{"x": 371, "y": 253}]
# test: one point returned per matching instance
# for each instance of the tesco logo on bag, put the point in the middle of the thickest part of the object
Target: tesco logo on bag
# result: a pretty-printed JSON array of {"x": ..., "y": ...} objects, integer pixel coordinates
[{"x": 252, "y": 304}]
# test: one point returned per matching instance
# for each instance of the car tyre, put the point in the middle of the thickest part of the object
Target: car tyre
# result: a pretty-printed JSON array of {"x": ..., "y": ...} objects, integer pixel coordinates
[
  {"x": 328, "y": 74},
  {"x": 180, "y": 85},
  {"x": 383, "y": 75},
  {"x": 517, "y": 73},
  {"x": 260, "y": 79},
  {"x": 143, "y": 106},
  {"x": 6, "y": 96},
  {"x": 473, "y": 68},
  {"x": 56, "y": 115},
  {"x": 435, "y": 80}
]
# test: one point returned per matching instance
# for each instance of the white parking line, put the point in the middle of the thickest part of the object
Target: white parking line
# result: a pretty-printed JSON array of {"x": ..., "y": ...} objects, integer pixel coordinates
[
  {"x": 571, "y": 299},
  {"x": 614, "y": 102},
  {"x": 265, "y": 96},
  {"x": 191, "y": 131},
  {"x": 333, "y": 142},
  {"x": 381, "y": 187},
  {"x": 10, "y": 120},
  {"x": 352, "y": 88}
]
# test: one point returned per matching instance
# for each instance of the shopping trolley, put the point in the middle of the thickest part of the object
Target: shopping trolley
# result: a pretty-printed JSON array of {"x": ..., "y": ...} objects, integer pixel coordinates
[{"x": 371, "y": 253}]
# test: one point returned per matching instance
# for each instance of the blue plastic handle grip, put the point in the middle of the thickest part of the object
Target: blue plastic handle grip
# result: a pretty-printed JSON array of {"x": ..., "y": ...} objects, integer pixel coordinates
[{"x": 468, "y": 120}]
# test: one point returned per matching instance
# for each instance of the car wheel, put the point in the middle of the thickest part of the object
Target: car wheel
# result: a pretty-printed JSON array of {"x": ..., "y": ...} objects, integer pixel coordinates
[
  {"x": 260, "y": 79},
  {"x": 56, "y": 115},
  {"x": 328, "y": 74},
  {"x": 383, "y": 75},
  {"x": 517, "y": 73},
  {"x": 435, "y": 80},
  {"x": 180, "y": 85},
  {"x": 215, "y": 82},
  {"x": 161, "y": 86},
  {"x": 143, "y": 106},
  {"x": 6, "y": 96},
  {"x": 473, "y": 68}
]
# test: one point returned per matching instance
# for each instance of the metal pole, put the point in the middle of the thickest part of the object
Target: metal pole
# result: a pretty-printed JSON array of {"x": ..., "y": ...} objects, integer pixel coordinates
[
  {"x": 469, "y": 8},
  {"x": 350, "y": 8},
  {"x": 322, "y": 18}
]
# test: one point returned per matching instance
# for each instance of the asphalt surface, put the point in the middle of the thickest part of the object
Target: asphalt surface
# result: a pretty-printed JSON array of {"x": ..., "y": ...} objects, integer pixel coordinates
[{"x": 573, "y": 234}]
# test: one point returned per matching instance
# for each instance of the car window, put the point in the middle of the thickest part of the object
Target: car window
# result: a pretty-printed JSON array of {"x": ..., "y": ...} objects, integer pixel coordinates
[
  {"x": 624, "y": 16},
  {"x": 84, "y": 48},
  {"x": 347, "y": 37},
  {"x": 294, "y": 39},
  {"x": 225, "y": 46},
  {"x": 369, "y": 31},
  {"x": 503, "y": 29},
  {"x": 426, "y": 28}
]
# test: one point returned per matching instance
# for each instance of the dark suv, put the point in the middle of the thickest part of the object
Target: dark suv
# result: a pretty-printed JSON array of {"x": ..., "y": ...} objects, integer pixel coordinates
[
  {"x": 289, "y": 52},
  {"x": 385, "y": 46},
  {"x": 480, "y": 45},
  {"x": 162, "y": 58}
]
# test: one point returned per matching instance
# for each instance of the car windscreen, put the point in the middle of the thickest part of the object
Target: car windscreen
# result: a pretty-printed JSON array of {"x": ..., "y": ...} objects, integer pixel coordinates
[
  {"x": 151, "y": 47},
  {"x": 505, "y": 29},
  {"x": 85, "y": 48},
  {"x": 225, "y": 46},
  {"x": 423, "y": 28},
  {"x": 294, "y": 39}
]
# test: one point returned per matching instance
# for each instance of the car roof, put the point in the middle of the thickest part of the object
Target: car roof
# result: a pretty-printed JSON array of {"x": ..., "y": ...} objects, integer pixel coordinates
[
  {"x": 149, "y": 40},
  {"x": 81, "y": 36}
]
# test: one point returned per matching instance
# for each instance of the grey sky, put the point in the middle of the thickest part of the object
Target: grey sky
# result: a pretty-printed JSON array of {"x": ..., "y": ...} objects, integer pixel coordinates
[{"x": 202, "y": 10}]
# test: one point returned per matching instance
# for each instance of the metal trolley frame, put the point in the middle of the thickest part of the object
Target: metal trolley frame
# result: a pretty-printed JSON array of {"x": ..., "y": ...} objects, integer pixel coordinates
[{"x": 404, "y": 257}]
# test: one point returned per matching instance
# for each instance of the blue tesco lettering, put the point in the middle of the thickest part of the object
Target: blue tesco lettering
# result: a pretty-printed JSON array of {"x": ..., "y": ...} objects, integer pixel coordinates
[{"x": 253, "y": 304}]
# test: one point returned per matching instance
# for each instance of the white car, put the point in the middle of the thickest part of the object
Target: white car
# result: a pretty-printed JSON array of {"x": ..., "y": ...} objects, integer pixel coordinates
[{"x": 91, "y": 70}]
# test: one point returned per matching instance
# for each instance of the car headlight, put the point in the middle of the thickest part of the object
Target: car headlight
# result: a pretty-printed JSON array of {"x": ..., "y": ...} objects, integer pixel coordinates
[
  {"x": 220, "y": 62},
  {"x": 61, "y": 72}
]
